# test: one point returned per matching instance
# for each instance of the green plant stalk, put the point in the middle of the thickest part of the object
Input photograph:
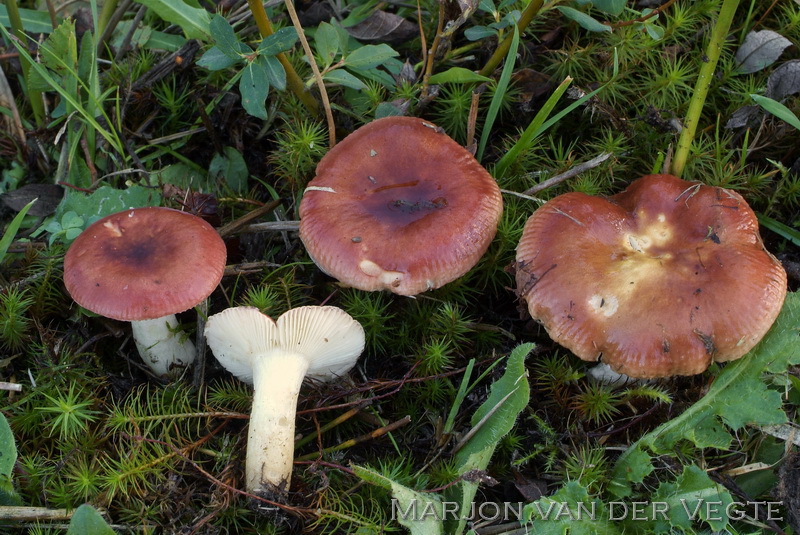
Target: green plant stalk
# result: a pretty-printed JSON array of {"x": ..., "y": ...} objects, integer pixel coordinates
[
  {"x": 105, "y": 17},
  {"x": 527, "y": 16},
  {"x": 293, "y": 80},
  {"x": 718, "y": 34},
  {"x": 34, "y": 97}
]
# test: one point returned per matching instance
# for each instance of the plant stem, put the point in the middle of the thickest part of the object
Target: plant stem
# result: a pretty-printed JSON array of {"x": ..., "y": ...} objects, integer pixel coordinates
[
  {"x": 293, "y": 80},
  {"x": 527, "y": 16},
  {"x": 34, "y": 97},
  {"x": 704, "y": 78}
]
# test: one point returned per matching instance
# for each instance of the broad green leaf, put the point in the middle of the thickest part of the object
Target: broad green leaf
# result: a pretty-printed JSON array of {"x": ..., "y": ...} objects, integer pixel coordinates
[
  {"x": 587, "y": 22},
  {"x": 8, "y": 457},
  {"x": 276, "y": 75},
  {"x": 326, "y": 43},
  {"x": 224, "y": 37},
  {"x": 254, "y": 88},
  {"x": 729, "y": 400},
  {"x": 33, "y": 21},
  {"x": 105, "y": 201},
  {"x": 422, "y": 513},
  {"x": 342, "y": 77},
  {"x": 59, "y": 54},
  {"x": 280, "y": 41},
  {"x": 476, "y": 33},
  {"x": 778, "y": 110},
  {"x": 369, "y": 56},
  {"x": 570, "y": 510},
  {"x": 87, "y": 521},
  {"x": 194, "y": 21},
  {"x": 692, "y": 498},
  {"x": 457, "y": 75},
  {"x": 610, "y": 7},
  {"x": 496, "y": 416},
  {"x": 215, "y": 60},
  {"x": 231, "y": 168}
]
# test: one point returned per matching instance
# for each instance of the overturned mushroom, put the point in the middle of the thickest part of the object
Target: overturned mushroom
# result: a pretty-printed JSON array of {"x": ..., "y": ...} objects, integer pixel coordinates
[
  {"x": 398, "y": 205},
  {"x": 659, "y": 280},
  {"x": 144, "y": 265},
  {"x": 275, "y": 356}
]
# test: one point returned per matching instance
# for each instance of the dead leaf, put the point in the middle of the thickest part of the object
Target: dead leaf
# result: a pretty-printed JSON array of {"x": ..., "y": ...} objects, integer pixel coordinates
[
  {"x": 384, "y": 27},
  {"x": 12, "y": 124},
  {"x": 784, "y": 81},
  {"x": 457, "y": 12},
  {"x": 49, "y": 196},
  {"x": 760, "y": 49}
]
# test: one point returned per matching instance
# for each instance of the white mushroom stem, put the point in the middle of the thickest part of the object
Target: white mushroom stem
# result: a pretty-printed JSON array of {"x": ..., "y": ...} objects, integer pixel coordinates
[
  {"x": 270, "y": 442},
  {"x": 163, "y": 346}
]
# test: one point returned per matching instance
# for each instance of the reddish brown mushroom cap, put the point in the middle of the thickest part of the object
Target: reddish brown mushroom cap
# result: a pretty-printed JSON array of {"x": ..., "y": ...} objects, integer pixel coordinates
[
  {"x": 144, "y": 263},
  {"x": 399, "y": 205},
  {"x": 659, "y": 280}
]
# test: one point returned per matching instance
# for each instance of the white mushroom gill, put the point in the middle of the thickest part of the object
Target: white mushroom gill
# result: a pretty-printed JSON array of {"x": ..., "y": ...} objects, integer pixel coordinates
[{"x": 322, "y": 342}]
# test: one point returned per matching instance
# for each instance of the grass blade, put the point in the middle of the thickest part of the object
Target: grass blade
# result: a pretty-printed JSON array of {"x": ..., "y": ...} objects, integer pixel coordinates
[
  {"x": 12, "y": 229},
  {"x": 499, "y": 94}
]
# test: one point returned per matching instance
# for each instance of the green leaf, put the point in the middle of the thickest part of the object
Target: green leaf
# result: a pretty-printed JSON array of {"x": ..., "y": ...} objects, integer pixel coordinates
[
  {"x": 278, "y": 42},
  {"x": 508, "y": 396},
  {"x": 276, "y": 75},
  {"x": 421, "y": 513},
  {"x": 33, "y": 21},
  {"x": 778, "y": 110},
  {"x": 87, "y": 521},
  {"x": 342, "y": 77},
  {"x": 457, "y": 75},
  {"x": 224, "y": 37},
  {"x": 254, "y": 88},
  {"x": 691, "y": 498},
  {"x": 570, "y": 510},
  {"x": 610, "y": 7},
  {"x": 476, "y": 33},
  {"x": 59, "y": 54},
  {"x": 215, "y": 60},
  {"x": 8, "y": 457},
  {"x": 230, "y": 167},
  {"x": 369, "y": 56},
  {"x": 326, "y": 43},
  {"x": 5, "y": 242},
  {"x": 587, "y": 22},
  {"x": 194, "y": 21},
  {"x": 729, "y": 400},
  {"x": 104, "y": 201}
]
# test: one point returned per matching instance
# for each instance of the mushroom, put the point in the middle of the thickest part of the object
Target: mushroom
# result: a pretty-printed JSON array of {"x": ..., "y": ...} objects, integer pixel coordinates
[
  {"x": 659, "y": 280},
  {"x": 144, "y": 265},
  {"x": 399, "y": 205},
  {"x": 319, "y": 342}
]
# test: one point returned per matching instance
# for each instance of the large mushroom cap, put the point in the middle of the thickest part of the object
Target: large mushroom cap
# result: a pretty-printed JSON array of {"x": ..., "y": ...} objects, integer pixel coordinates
[
  {"x": 144, "y": 263},
  {"x": 399, "y": 205},
  {"x": 659, "y": 280}
]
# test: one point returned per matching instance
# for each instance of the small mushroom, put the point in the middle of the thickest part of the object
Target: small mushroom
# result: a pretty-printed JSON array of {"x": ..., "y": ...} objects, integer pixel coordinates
[
  {"x": 399, "y": 205},
  {"x": 659, "y": 280},
  {"x": 144, "y": 265},
  {"x": 320, "y": 342}
]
